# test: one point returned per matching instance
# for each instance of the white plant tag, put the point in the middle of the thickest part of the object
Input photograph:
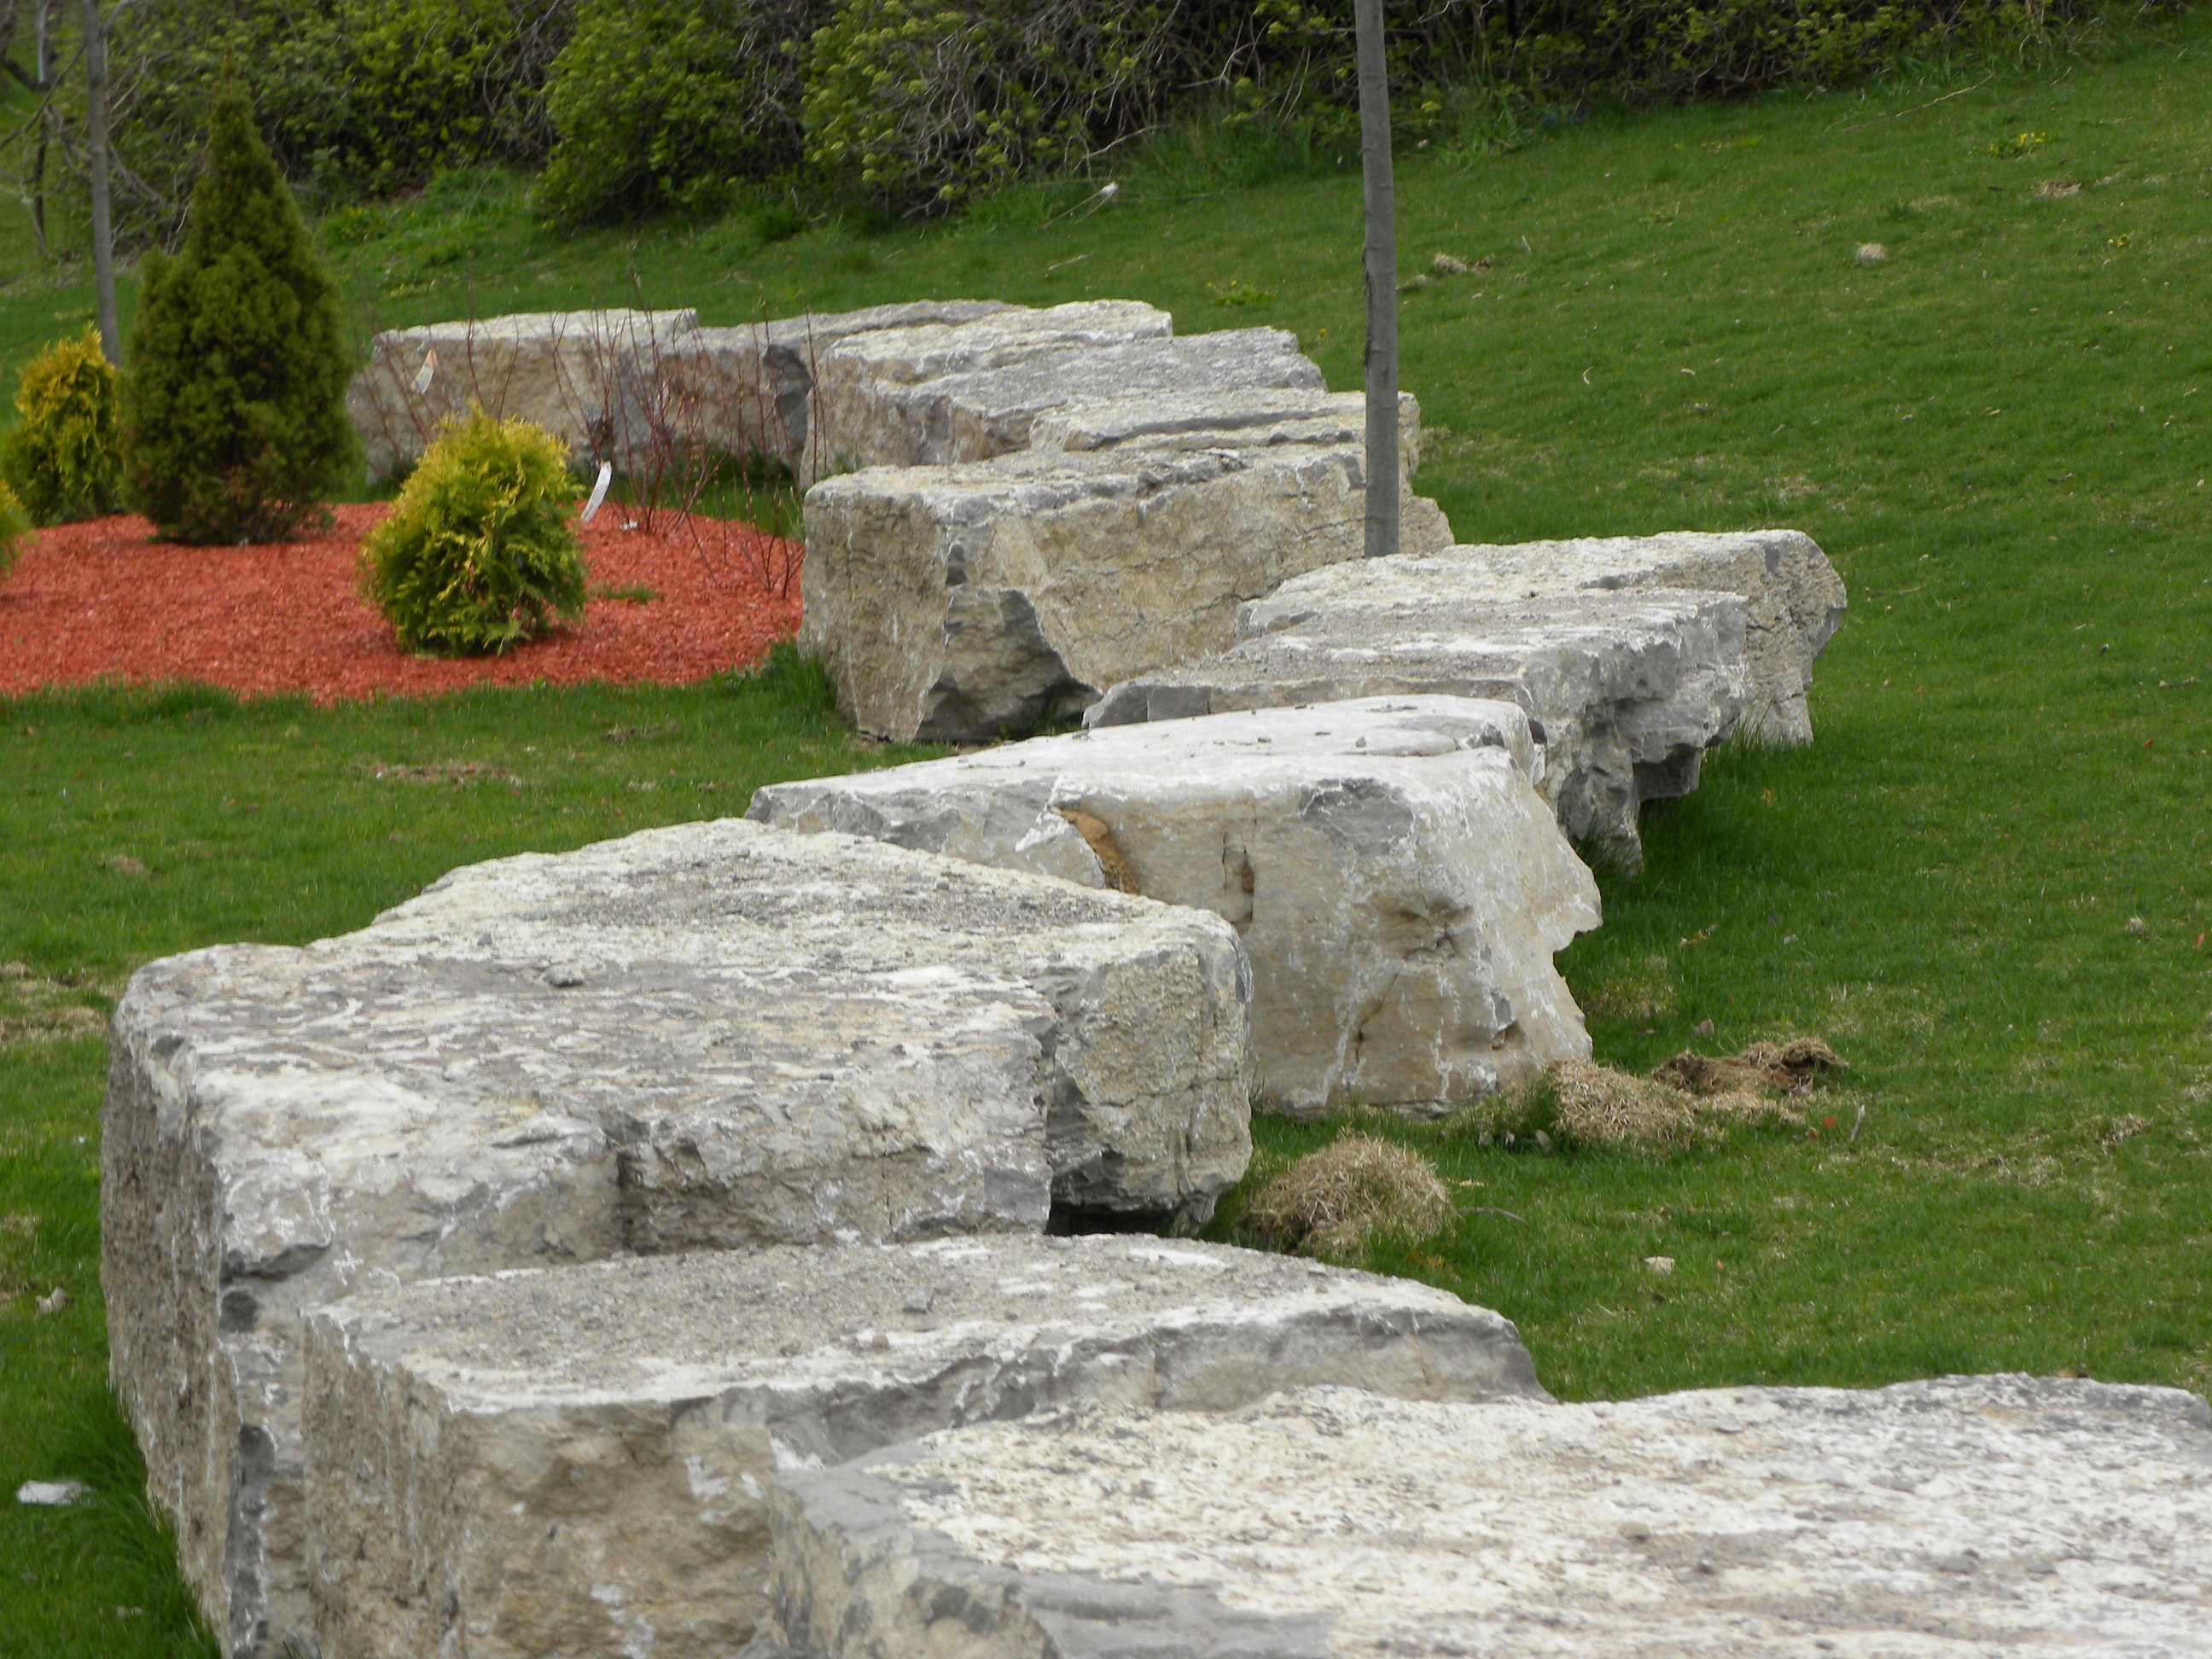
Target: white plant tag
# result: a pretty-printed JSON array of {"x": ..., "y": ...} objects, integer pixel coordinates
[
  {"x": 423, "y": 375},
  {"x": 599, "y": 491}
]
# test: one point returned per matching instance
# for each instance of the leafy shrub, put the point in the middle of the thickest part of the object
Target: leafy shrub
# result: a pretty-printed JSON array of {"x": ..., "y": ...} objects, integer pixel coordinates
[
  {"x": 349, "y": 94},
  {"x": 662, "y": 103},
  {"x": 477, "y": 554},
  {"x": 61, "y": 459},
  {"x": 14, "y": 529},
  {"x": 916, "y": 105},
  {"x": 234, "y": 426}
]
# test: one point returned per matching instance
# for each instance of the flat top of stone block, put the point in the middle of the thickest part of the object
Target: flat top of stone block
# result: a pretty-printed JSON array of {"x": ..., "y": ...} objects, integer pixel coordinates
[
  {"x": 825, "y": 329},
  {"x": 1230, "y": 417},
  {"x": 1671, "y": 559},
  {"x": 923, "y": 351},
  {"x": 1973, "y": 1514},
  {"x": 672, "y": 1327},
  {"x": 1219, "y": 754},
  {"x": 1194, "y": 366},
  {"x": 1440, "y": 589}
]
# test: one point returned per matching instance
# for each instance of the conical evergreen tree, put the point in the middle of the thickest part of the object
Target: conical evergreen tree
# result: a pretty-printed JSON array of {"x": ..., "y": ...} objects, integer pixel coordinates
[{"x": 234, "y": 427}]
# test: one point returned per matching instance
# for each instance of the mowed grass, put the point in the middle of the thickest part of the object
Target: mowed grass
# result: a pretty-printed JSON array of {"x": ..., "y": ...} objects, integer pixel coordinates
[{"x": 1986, "y": 883}]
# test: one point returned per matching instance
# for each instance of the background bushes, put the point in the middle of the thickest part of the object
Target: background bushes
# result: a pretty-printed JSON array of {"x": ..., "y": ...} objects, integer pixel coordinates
[
  {"x": 636, "y": 105},
  {"x": 666, "y": 103}
]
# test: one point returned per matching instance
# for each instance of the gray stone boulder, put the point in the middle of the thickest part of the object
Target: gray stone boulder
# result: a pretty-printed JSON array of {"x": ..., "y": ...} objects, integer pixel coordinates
[
  {"x": 565, "y": 371},
  {"x": 864, "y": 416},
  {"x": 965, "y": 604},
  {"x": 1981, "y": 1514},
  {"x": 846, "y": 420},
  {"x": 1793, "y": 598},
  {"x": 1205, "y": 417},
  {"x": 1625, "y": 690},
  {"x": 1398, "y": 887},
  {"x": 580, "y": 1460},
  {"x": 744, "y": 390},
  {"x": 692, "y": 1038}
]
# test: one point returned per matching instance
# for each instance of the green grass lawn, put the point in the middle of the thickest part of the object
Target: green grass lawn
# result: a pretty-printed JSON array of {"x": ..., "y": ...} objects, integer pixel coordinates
[{"x": 1988, "y": 885}]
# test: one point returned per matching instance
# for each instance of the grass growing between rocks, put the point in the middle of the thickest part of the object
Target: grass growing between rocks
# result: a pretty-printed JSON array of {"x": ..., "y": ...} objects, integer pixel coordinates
[{"x": 1986, "y": 884}]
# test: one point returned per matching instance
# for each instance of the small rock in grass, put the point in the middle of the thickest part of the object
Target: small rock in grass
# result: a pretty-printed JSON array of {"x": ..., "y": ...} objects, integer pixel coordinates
[
  {"x": 2136, "y": 926},
  {"x": 51, "y": 1494},
  {"x": 1444, "y": 265},
  {"x": 1661, "y": 1265},
  {"x": 55, "y": 1301},
  {"x": 1870, "y": 253}
]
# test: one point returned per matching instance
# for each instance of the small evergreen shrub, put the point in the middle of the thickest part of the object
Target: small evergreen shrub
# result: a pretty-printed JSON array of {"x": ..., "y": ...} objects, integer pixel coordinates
[
  {"x": 669, "y": 103},
  {"x": 234, "y": 426},
  {"x": 477, "y": 554},
  {"x": 14, "y": 529},
  {"x": 62, "y": 459}
]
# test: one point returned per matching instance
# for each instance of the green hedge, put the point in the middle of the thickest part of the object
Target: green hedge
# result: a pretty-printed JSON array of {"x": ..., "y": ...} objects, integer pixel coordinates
[{"x": 634, "y": 105}]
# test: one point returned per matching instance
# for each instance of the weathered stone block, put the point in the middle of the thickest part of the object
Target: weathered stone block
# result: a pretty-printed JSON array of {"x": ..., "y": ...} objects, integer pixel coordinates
[
  {"x": 695, "y": 1037},
  {"x": 850, "y": 377},
  {"x": 1996, "y": 1514},
  {"x": 563, "y": 370},
  {"x": 1625, "y": 690},
  {"x": 1793, "y": 598},
  {"x": 970, "y": 603},
  {"x": 1399, "y": 886},
  {"x": 744, "y": 390},
  {"x": 1202, "y": 417},
  {"x": 869, "y": 411},
  {"x": 579, "y": 1461}
]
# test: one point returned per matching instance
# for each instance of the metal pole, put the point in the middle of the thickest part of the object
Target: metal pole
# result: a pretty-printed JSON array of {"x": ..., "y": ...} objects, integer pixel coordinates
[{"x": 1381, "y": 265}]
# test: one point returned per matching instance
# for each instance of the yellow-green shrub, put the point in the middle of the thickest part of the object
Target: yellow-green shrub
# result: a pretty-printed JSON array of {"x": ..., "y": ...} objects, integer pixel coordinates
[
  {"x": 14, "y": 529},
  {"x": 477, "y": 554},
  {"x": 62, "y": 459}
]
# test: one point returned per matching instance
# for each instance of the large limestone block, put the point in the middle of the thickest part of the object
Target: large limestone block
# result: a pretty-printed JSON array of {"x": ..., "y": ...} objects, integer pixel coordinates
[
  {"x": 695, "y": 1037},
  {"x": 1208, "y": 418},
  {"x": 579, "y": 1461},
  {"x": 868, "y": 413},
  {"x": 563, "y": 370},
  {"x": 968, "y": 602},
  {"x": 743, "y": 389},
  {"x": 1397, "y": 884},
  {"x": 845, "y": 418},
  {"x": 1793, "y": 598},
  {"x": 1966, "y": 1516},
  {"x": 1625, "y": 690}
]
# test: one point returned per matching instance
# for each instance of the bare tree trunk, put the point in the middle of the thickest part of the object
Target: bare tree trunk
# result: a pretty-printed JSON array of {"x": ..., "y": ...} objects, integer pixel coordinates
[
  {"x": 1381, "y": 264},
  {"x": 103, "y": 227}
]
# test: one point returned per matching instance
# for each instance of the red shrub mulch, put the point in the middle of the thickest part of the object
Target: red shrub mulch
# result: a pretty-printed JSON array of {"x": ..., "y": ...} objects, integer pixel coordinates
[{"x": 104, "y": 600}]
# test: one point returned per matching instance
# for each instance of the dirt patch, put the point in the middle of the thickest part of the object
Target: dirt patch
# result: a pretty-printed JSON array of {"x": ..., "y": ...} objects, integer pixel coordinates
[
  {"x": 1331, "y": 1202},
  {"x": 33, "y": 1009},
  {"x": 104, "y": 600}
]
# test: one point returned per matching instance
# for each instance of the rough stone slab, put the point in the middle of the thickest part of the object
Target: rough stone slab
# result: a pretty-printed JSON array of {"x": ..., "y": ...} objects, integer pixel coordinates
[
  {"x": 743, "y": 389},
  {"x": 1202, "y": 418},
  {"x": 578, "y": 1461},
  {"x": 1996, "y": 1514},
  {"x": 563, "y": 370},
  {"x": 693, "y": 1037},
  {"x": 871, "y": 411},
  {"x": 1793, "y": 598},
  {"x": 1624, "y": 690},
  {"x": 970, "y": 603},
  {"x": 1399, "y": 886}
]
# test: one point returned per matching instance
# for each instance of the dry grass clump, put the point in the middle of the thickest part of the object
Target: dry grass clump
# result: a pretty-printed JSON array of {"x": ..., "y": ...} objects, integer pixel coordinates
[
  {"x": 1788, "y": 1068},
  {"x": 1331, "y": 1202},
  {"x": 1597, "y": 1106}
]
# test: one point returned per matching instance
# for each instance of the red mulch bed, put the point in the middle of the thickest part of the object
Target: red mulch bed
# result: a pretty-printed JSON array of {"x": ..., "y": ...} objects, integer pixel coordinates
[{"x": 105, "y": 600}]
